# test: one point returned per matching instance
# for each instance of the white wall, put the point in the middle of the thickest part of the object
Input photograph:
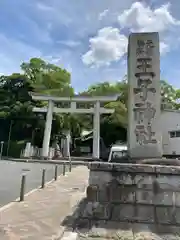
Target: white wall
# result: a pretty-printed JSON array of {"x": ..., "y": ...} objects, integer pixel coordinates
[{"x": 170, "y": 121}]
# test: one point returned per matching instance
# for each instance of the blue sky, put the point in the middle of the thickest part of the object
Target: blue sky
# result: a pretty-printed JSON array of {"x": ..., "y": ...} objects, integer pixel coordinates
[{"x": 88, "y": 38}]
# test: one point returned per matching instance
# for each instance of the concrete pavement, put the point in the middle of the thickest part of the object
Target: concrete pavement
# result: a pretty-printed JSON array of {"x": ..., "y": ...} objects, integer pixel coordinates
[{"x": 41, "y": 215}]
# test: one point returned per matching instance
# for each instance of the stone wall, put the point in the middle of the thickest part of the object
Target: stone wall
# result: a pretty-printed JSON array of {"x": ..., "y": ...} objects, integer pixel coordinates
[{"x": 133, "y": 193}]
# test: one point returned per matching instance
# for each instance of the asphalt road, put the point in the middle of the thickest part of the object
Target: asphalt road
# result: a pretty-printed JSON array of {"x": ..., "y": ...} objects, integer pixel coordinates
[{"x": 10, "y": 178}]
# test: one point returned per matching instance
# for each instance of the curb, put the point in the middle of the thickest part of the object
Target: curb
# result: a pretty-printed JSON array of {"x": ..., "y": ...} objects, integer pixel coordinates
[{"x": 60, "y": 162}]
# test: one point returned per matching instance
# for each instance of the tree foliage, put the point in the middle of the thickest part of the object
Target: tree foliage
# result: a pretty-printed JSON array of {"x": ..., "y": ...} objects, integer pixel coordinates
[
  {"x": 45, "y": 78},
  {"x": 120, "y": 106},
  {"x": 169, "y": 96},
  {"x": 14, "y": 95},
  {"x": 48, "y": 78}
]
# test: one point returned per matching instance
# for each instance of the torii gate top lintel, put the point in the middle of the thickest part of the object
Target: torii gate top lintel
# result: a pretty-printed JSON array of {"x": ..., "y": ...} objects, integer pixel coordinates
[{"x": 75, "y": 98}]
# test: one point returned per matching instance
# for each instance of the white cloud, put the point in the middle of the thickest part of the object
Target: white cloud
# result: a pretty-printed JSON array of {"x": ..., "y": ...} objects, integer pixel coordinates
[
  {"x": 164, "y": 48},
  {"x": 103, "y": 14},
  {"x": 141, "y": 18},
  {"x": 69, "y": 43},
  {"x": 109, "y": 45},
  {"x": 53, "y": 59},
  {"x": 44, "y": 7}
]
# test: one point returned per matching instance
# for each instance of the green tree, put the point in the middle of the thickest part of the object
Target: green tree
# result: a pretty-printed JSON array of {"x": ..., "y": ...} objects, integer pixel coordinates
[
  {"x": 48, "y": 78},
  {"x": 118, "y": 120},
  {"x": 15, "y": 109},
  {"x": 45, "y": 78},
  {"x": 168, "y": 96},
  {"x": 16, "y": 103},
  {"x": 112, "y": 126},
  {"x": 106, "y": 89},
  {"x": 14, "y": 97}
]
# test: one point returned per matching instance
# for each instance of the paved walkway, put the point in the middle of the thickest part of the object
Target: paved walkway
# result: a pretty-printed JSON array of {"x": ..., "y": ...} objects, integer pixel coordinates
[{"x": 40, "y": 216}]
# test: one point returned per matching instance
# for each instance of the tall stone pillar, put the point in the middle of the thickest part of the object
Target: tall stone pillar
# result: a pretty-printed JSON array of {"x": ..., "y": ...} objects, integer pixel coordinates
[
  {"x": 96, "y": 130},
  {"x": 144, "y": 99},
  {"x": 47, "y": 130}
]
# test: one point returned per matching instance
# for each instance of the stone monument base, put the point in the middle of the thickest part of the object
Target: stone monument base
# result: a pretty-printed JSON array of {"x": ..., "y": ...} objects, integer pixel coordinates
[{"x": 144, "y": 196}]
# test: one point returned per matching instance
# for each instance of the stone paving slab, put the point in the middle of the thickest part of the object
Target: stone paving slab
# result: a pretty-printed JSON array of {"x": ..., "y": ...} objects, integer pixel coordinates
[{"x": 40, "y": 216}]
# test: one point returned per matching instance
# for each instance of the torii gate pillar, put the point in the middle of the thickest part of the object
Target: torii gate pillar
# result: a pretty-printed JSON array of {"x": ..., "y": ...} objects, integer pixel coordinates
[
  {"x": 47, "y": 130},
  {"x": 96, "y": 130}
]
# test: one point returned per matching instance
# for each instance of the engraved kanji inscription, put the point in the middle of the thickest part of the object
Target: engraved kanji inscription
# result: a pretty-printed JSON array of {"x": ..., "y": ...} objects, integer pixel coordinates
[
  {"x": 140, "y": 50},
  {"x": 143, "y": 112},
  {"x": 144, "y": 135},
  {"x": 149, "y": 112},
  {"x": 143, "y": 88},
  {"x": 149, "y": 47},
  {"x": 144, "y": 65},
  {"x": 144, "y": 48}
]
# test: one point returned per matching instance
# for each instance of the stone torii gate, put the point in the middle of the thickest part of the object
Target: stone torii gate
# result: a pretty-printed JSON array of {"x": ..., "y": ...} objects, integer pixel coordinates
[{"x": 94, "y": 109}]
